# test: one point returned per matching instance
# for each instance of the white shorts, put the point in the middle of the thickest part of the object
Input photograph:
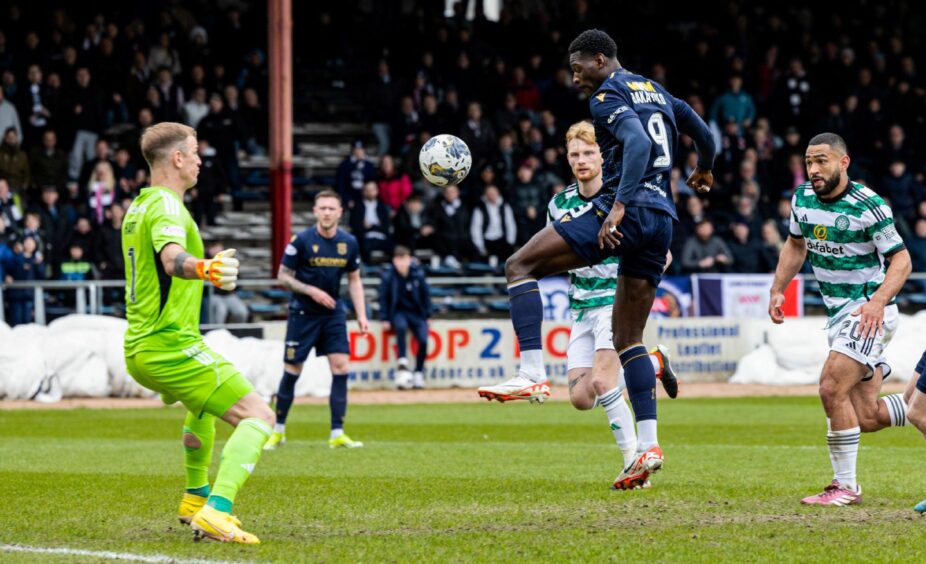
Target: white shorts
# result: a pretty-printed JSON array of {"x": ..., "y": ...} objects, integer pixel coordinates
[
  {"x": 591, "y": 331},
  {"x": 845, "y": 338}
]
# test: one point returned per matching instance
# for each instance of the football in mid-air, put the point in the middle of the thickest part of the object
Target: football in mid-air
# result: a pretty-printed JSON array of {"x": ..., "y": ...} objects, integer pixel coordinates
[{"x": 445, "y": 160}]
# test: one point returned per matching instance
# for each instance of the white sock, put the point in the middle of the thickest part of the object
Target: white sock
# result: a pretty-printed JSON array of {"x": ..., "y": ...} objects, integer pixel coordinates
[
  {"x": 897, "y": 409},
  {"x": 335, "y": 433},
  {"x": 621, "y": 421},
  {"x": 656, "y": 367},
  {"x": 843, "y": 447},
  {"x": 280, "y": 428},
  {"x": 646, "y": 435},
  {"x": 532, "y": 366}
]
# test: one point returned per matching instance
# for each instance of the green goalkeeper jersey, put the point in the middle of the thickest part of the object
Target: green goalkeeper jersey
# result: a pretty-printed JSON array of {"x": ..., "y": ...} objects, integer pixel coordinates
[{"x": 162, "y": 310}]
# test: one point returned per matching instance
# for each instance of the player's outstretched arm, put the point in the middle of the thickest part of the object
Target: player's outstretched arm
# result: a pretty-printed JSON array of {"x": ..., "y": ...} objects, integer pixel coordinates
[
  {"x": 222, "y": 270},
  {"x": 355, "y": 289},
  {"x": 691, "y": 124},
  {"x": 790, "y": 261}
]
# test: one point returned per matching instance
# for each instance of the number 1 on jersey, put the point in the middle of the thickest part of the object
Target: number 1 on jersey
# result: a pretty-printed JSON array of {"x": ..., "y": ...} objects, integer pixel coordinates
[
  {"x": 657, "y": 130},
  {"x": 132, "y": 282}
]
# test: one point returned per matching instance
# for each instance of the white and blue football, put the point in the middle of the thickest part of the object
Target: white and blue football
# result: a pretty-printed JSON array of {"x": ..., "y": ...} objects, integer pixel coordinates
[{"x": 445, "y": 160}]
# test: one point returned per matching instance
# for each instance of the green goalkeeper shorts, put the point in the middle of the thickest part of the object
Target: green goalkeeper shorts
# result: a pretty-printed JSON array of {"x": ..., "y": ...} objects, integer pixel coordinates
[{"x": 198, "y": 377}]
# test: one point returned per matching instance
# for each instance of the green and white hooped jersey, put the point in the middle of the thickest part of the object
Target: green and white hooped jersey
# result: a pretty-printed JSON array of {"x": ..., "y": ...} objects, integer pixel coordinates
[
  {"x": 591, "y": 286},
  {"x": 847, "y": 241}
]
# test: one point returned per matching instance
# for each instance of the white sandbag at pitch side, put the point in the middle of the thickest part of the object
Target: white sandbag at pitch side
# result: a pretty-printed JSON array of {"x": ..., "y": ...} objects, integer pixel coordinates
[{"x": 794, "y": 352}]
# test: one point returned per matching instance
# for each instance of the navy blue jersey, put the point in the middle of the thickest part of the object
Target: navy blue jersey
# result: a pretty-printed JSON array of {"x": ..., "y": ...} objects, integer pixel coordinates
[
  {"x": 622, "y": 96},
  {"x": 320, "y": 262}
]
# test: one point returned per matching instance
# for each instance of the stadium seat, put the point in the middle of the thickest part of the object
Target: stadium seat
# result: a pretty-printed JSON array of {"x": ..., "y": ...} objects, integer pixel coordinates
[
  {"x": 499, "y": 305},
  {"x": 442, "y": 292},
  {"x": 463, "y": 306},
  {"x": 276, "y": 294},
  {"x": 479, "y": 291}
]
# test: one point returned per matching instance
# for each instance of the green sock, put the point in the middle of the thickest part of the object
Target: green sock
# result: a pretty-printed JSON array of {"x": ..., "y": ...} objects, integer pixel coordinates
[
  {"x": 240, "y": 455},
  {"x": 197, "y": 460}
]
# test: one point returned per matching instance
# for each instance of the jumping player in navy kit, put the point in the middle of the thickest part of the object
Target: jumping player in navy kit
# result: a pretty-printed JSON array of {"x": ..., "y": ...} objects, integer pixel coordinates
[
  {"x": 313, "y": 264},
  {"x": 637, "y": 123}
]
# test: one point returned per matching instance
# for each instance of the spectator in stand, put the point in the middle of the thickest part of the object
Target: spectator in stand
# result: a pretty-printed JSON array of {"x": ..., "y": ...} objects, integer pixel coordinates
[
  {"x": 747, "y": 213},
  {"x": 745, "y": 250},
  {"x": 382, "y": 100},
  {"x": 82, "y": 236},
  {"x": 449, "y": 221},
  {"x": 735, "y": 105},
  {"x": 405, "y": 127},
  {"x": 254, "y": 118},
  {"x": 410, "y": 224},
  {"x": 27, "y": 266},
  {"x": 530, "y": 202},
  {"x": 506, "y": 117},
  {"x": 783, "y": 218},
  {"x": 196, "y": 108},
  {"x": 109, "y": 260},
  {"x": 493, "y": 228},
  {"x": 57, "y": 222},
  {"x": 405, "y": 303},
  {"x": 163, "y": 55},
  {"x": 917, "y": 245},
  {"x": 86, "y": 115},
  {"x": 126, "y": 173},
  {"x": 704, "y": 251},
  {"x": 32, "y": 106},
  {"x": 225, "y": 306},
  {"x": 32, "y": 227},
  {"x": 771, "y": 245},
  {"x": 101, "y": 190},
  {"x": 524, "y": 89},
  {"x": 48, "y": 163},
  {"x": 210, "y": 185},
  {"x": 222, "y": 133},
  {"x": 76, "y": 268},
  {"x": 478, "y": 134},
  {"x": 369, "y": 222},
  {"x": 550, "y": 130},
  {"x": 902, "y": 193},
  {"x": 14, "y": 163},
  {"x": 429, "y": 118},
  {"x": 353, "y": 172},
  {"x": 9, "y": 117},
  {"x": 394, "y": 186},
  {"x": 506, "y": 160},
  {"x": 10, "y": 205}
]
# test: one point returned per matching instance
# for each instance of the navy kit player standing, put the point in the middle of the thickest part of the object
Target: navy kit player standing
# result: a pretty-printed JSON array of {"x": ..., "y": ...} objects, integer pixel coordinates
[
  {"x": 637, "y": 123},
  {"x": 312, "y": 267}
]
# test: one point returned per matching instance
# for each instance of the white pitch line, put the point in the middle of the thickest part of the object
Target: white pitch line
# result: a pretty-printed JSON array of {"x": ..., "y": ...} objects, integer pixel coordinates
[{"x": 105, "y": 554}]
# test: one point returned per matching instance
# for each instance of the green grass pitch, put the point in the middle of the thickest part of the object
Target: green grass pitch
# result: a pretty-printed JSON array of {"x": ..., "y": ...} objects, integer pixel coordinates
[{"x": 470, "y": 482}]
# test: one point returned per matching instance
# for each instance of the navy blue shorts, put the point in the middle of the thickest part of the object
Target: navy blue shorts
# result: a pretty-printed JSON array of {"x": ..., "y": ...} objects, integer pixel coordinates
[
  {"x": 647, "y": 235},
  {"x": 327, "y": 333},
  {"x": 921, "y": 370}
]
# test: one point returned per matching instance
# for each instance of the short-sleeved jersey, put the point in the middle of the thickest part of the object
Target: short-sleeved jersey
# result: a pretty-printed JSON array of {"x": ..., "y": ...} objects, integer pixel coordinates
[
  {"x": 590, "y": 286},
  {"x": 320, "y": 262},
  {"x": 625, "y": 95},
  {"x": 162, "y": 310},
  {"x": 847, "y": 241}
]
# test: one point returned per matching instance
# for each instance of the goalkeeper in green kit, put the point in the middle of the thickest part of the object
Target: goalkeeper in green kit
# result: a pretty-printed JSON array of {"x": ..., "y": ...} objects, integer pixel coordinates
[{"x": 164, "y": 350}]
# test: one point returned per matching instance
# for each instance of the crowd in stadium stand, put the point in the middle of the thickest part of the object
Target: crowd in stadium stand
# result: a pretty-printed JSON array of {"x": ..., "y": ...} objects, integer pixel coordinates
[
  {"x": 764, "y": 82},
  {"x": 76, "y": 87}
]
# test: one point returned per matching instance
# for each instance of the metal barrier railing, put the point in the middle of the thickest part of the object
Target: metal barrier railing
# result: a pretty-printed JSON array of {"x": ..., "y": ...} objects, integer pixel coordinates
[{"x": 89, "y": 293}]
